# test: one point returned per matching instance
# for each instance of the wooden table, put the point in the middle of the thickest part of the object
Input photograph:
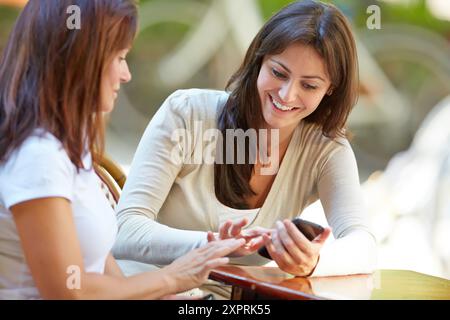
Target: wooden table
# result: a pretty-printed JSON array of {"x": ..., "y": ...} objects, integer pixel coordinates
[{"x": 252, "y": 283}]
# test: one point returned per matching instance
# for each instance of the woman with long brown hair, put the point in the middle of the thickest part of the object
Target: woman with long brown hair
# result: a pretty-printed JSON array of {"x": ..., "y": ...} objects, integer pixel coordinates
[
  {"x": 56, "y": 226},
  {"x": 294, "y": 90}
]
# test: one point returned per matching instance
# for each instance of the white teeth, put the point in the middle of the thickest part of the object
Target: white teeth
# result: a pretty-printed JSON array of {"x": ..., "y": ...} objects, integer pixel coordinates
[{"x": 280, "y": 106}]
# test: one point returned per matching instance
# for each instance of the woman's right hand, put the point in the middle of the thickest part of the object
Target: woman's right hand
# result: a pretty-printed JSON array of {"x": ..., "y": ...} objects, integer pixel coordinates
[
  {"x": 234, "y": 230},
  {"x": 192, "y": 270}
]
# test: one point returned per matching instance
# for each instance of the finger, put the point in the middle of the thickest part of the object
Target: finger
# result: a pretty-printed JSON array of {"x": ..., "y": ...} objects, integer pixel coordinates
[
  {"x": 321, "y": 238},
  {"x": 283, "y": 255},
  {"x": 214, "y": 263},
  {"x": 289, "y": 244},
  {"x": 237, "y": 227},
  {"x": 270, "y": 248},
  {"x": 241, "y": 224},
  {"x": 223, "y": 247},
  {"x": 256, "y": 232},
  {"x": 210, "y": 236},
  {"x": 214, "y": 245},
  {"x": 224, "y": 229},
  {"x": 299, "y": 238},
  {"x": 273, "y": 252},
  {"x": 266, "y": 239},
  {"x": 255, "y": 243}
]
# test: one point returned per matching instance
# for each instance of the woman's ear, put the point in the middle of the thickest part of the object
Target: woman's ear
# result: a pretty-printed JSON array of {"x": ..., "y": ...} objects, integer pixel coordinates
[{"x": 330, "y": 91}]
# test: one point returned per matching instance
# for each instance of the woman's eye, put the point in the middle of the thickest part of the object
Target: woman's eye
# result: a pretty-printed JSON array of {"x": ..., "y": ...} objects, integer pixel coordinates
[
  {"x": 309, "y": 87},
  {"x": 278, "y": 74}
]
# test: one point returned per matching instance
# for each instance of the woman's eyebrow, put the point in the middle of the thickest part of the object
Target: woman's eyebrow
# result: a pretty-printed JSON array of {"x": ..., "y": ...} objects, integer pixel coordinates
[{"x": 289, "y": 71}]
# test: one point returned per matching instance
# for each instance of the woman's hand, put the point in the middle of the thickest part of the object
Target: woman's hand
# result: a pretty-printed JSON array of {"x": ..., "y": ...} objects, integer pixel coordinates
[
  {"x": 229, "y": 230},
  {"x": 292, "y": 251},
  {"x": 192, "y": 269}
]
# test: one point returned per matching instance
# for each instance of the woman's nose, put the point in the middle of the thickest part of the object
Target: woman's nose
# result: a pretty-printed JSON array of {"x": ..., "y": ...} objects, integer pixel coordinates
[
  {"x": 126, "y": 74},
  {"x": 288, "y": 93}
]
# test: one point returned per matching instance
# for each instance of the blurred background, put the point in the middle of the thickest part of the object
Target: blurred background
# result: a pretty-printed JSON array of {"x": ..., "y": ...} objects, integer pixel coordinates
[{"x": 401, "y": 124}]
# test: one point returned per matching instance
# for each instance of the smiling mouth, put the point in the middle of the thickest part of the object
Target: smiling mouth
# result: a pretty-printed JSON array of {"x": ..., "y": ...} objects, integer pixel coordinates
[{"x": 281, "y": 107}]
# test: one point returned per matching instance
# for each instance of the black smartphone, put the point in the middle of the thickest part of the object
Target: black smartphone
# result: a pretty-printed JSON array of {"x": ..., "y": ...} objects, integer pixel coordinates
[{"x": 310, "y": 229}]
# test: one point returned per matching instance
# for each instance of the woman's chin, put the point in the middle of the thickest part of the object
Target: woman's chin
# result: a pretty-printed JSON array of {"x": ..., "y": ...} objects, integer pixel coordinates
[
  {"x": 107, "y": 108},
  {"x": 273, "y": 123}
]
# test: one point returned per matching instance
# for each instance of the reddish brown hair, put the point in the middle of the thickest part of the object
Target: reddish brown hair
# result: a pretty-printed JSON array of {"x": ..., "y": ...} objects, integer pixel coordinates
[{"x": 50, "y": 75}]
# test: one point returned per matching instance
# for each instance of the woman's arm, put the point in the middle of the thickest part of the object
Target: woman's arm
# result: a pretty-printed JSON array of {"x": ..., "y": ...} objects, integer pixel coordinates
[
  {"x": 49, "y": 240},
  {"x": 354, "y": 250},
  {"x": 112, "y": 268},
  {"x": 152, "y": 175},
  {"x": 149, "y": 182}
]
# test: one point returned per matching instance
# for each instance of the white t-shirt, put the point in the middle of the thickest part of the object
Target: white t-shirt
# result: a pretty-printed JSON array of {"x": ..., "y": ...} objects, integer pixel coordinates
[{"x": 41, "y": 168}]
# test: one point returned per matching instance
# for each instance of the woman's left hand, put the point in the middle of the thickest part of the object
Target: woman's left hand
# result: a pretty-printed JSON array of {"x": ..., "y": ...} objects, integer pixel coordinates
[{"x": 292, "y": 251}]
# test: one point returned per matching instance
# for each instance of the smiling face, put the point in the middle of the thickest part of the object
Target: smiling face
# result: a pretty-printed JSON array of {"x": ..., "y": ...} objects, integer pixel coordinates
[
  {"x": 115, "y": 73},
  {"x": 291, "y": 86}
]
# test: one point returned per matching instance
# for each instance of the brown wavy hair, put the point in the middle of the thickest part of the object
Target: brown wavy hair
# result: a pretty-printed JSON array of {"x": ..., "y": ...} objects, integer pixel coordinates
[
  {"x": 50, "y": 75},
  {"x": 316, "y": 24}
]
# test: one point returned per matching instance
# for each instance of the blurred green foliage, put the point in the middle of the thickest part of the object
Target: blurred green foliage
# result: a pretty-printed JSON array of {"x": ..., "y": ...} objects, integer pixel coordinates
[
  {"x": 412, "y": 12},
  {"x": 146, "y": 92},
  {"x": 7, "y": 17},
  {"x": 155, "y": 41}
]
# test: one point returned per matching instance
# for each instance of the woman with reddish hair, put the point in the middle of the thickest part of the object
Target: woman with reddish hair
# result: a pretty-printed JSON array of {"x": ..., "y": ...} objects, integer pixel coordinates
[{"x": 56, "y": 226}]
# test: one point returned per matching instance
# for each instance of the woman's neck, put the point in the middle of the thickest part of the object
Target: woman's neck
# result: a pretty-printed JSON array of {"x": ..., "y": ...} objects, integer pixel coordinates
[
  {"x": 275, "y": 146},
  {"x": 282, "y": 139}
]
